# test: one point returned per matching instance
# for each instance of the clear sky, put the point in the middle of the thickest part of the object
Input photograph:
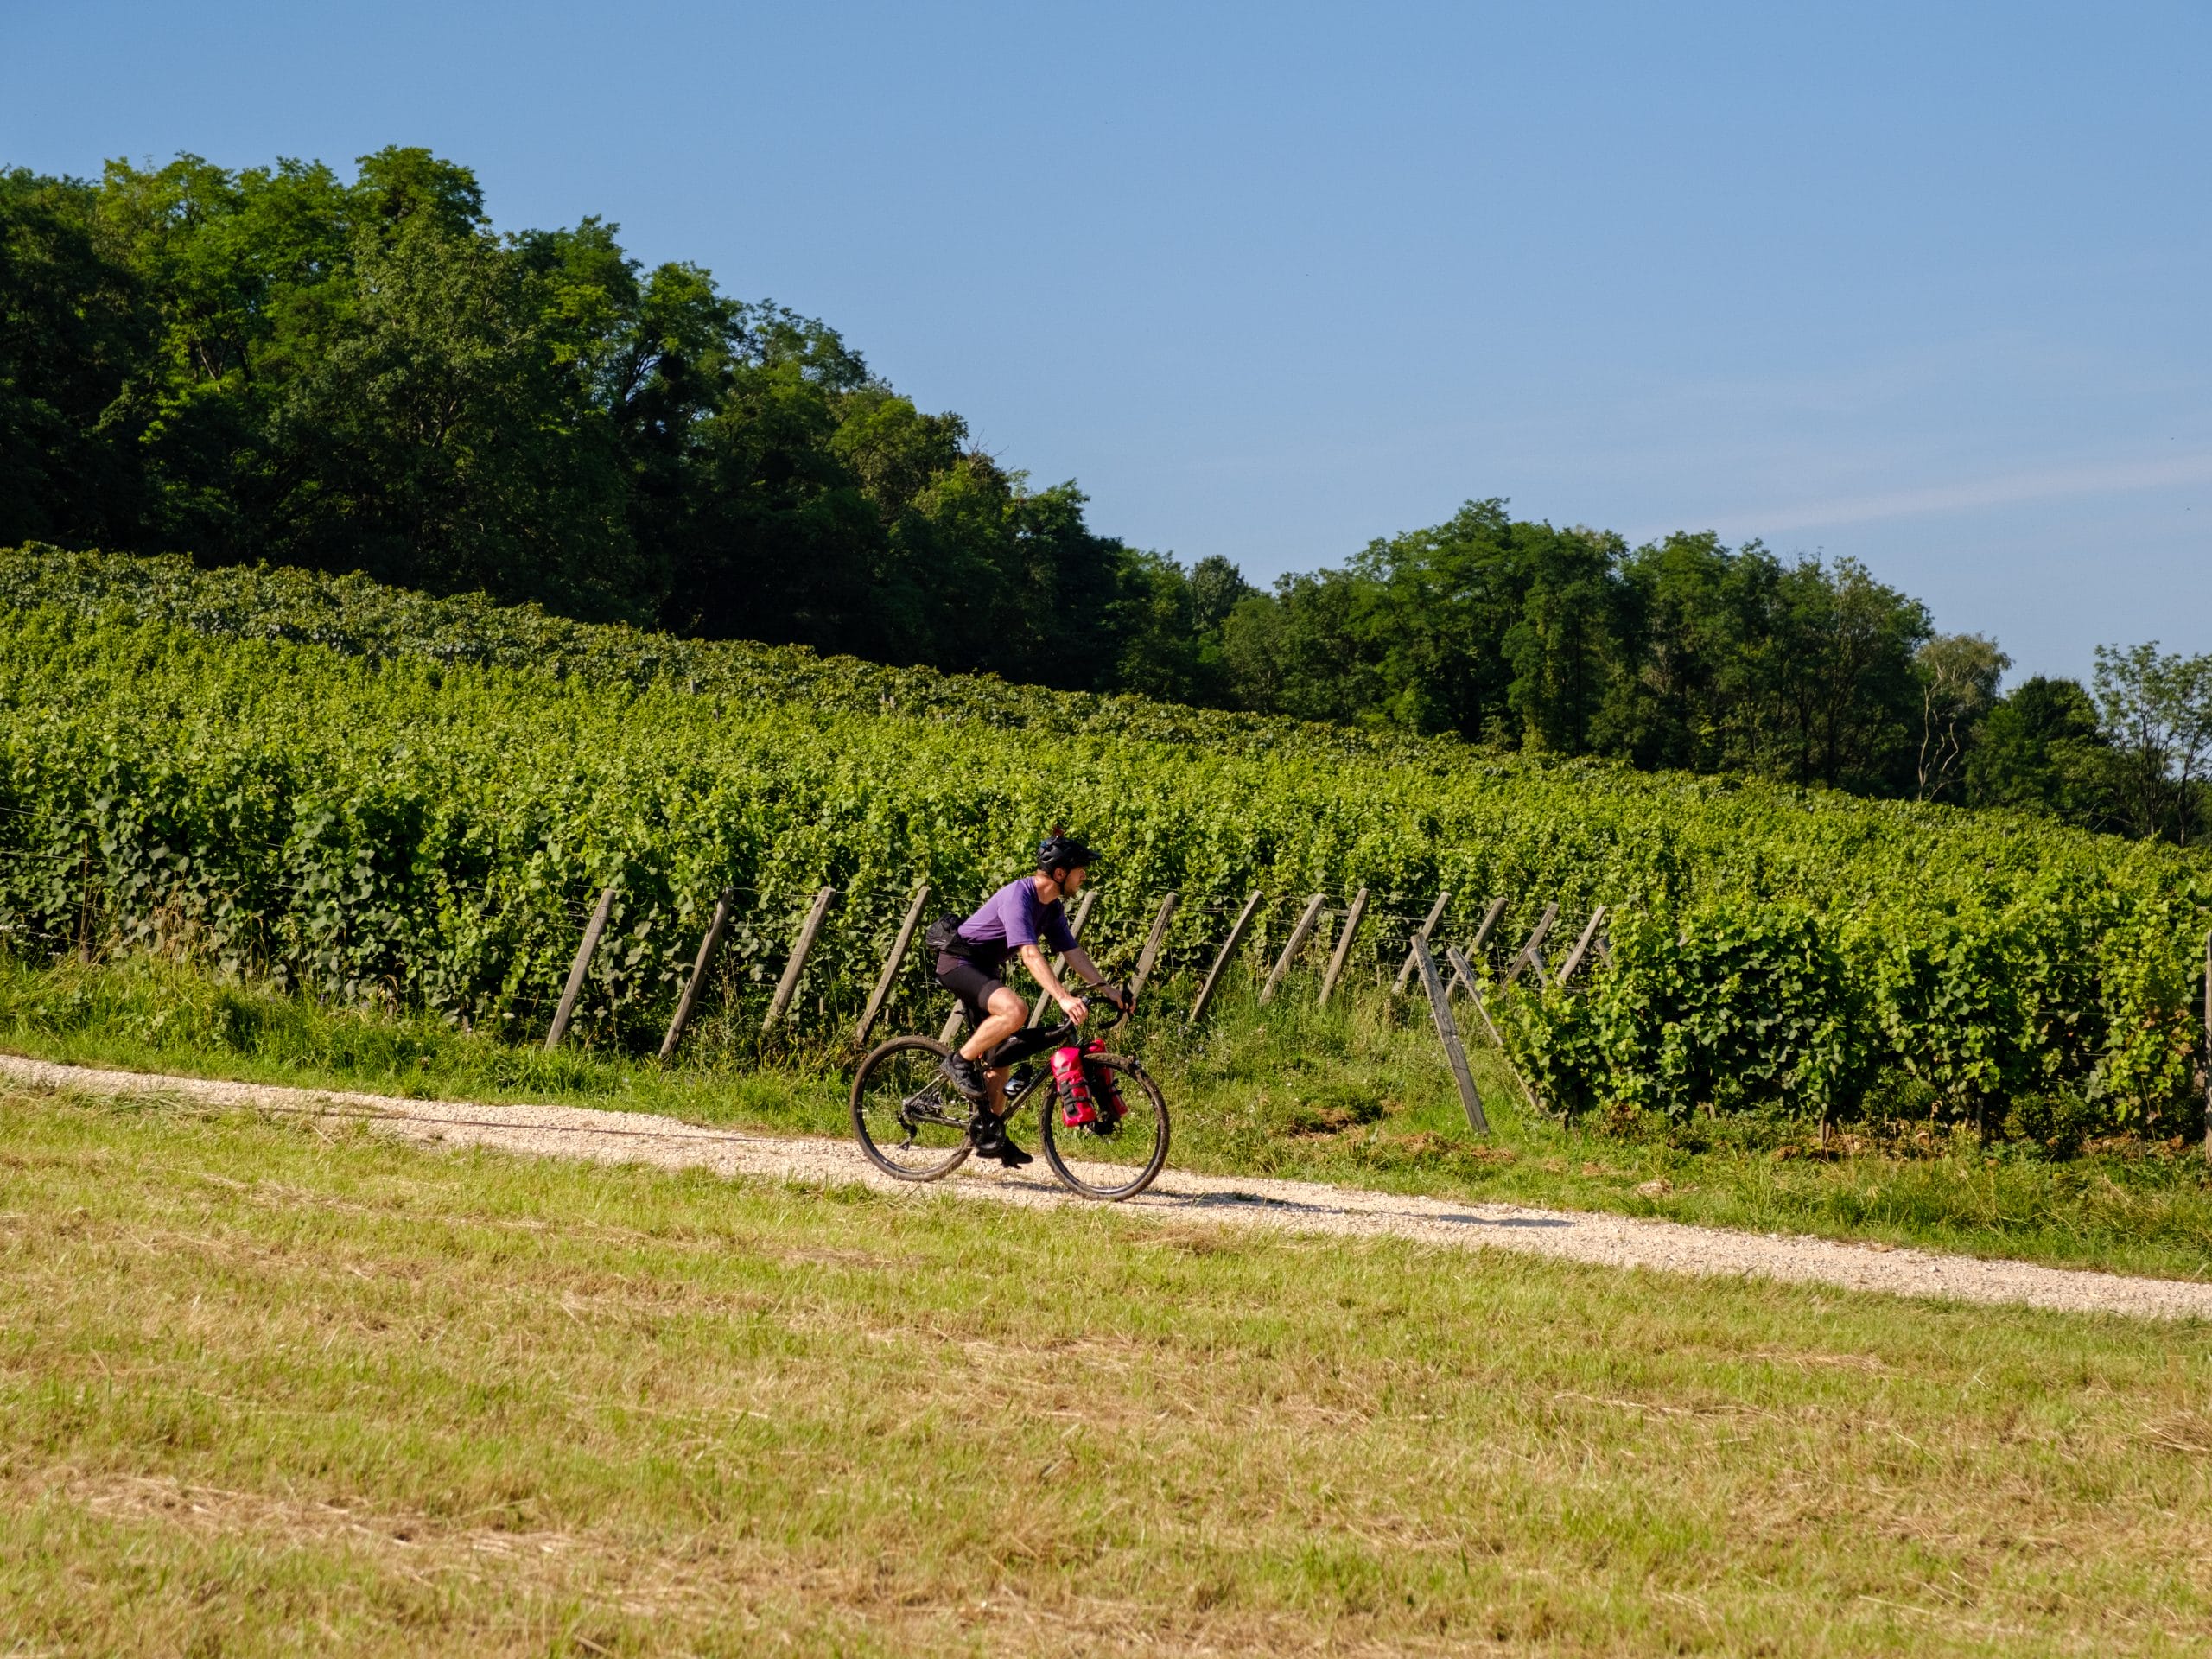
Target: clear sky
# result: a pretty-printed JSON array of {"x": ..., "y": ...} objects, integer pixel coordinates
[{"x": 1922, "y": 285}]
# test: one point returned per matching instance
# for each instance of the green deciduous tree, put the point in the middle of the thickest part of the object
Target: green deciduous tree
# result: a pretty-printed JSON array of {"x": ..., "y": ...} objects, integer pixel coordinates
[
  {"x": 2157, "y": 710},
  {"x": 72, "y": 325},
  {"x": 2041, "y": 749},
  {"x": 1959, "y": 677}
]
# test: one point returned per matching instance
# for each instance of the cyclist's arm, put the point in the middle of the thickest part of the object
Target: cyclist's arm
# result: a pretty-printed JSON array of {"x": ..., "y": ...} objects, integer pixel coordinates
[
  {"x": 1034, "y": 958},
  {"x": 1079, "y": 959}
]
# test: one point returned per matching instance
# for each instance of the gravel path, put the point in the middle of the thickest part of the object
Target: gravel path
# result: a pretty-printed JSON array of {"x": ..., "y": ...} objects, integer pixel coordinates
[{"x": 1296, "y": 1206}]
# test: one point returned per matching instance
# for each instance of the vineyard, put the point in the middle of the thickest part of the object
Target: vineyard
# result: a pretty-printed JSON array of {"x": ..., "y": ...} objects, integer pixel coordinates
[{"x": 379, "y": 797}]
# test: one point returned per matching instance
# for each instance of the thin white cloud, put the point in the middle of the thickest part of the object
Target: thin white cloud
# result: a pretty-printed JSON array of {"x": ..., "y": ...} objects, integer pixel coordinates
[{"x": 2009, "y": 489}]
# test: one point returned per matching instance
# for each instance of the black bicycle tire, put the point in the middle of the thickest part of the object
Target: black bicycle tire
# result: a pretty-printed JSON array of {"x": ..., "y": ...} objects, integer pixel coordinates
[
  {"x": 875, "y": 1154},
  {"x": 1130, "y": 1072}
]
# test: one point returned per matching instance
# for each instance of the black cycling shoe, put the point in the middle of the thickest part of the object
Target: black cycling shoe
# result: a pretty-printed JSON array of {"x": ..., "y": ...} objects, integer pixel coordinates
[
  {"x": 964, "y": 1075},
  {"x": 988, "y": 1136}
]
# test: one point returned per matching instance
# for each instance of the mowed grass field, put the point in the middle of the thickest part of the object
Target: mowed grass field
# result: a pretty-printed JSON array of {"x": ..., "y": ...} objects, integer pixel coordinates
[{"x": 272, "y": 1388}]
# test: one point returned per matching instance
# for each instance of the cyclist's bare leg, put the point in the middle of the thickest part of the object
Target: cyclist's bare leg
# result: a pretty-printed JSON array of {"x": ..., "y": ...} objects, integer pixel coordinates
[{"x": 1008, "y": 1014}]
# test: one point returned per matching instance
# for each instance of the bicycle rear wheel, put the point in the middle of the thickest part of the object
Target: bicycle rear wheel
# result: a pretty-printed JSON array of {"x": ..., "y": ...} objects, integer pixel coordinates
[
  {"x": 910, "y": 1122},
  {"x": 1109, "y": 1161}
]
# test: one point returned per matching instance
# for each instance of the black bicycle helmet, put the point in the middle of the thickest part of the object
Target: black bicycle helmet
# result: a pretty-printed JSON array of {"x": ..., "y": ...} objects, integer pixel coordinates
[{"x": 1062, "y": 851}]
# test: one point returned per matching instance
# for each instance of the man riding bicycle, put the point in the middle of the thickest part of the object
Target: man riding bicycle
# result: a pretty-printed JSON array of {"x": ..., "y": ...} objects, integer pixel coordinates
[{"x": 1022, "y": 917}]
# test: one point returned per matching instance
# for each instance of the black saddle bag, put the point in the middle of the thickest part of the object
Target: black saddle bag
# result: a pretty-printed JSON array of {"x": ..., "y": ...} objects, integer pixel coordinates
[{"x": 944, "y": 938}]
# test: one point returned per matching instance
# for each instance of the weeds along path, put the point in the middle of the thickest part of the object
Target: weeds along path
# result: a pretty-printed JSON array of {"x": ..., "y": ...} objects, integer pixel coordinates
[{"x": 1241, "y": 1201}]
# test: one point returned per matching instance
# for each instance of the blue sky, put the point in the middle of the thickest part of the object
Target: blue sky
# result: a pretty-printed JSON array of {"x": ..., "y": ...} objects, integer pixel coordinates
[{"x": 1925, "y": 286}]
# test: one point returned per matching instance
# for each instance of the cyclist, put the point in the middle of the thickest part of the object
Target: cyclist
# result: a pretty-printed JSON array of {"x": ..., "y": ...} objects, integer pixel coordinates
[{"x": 1022, "y": 917}]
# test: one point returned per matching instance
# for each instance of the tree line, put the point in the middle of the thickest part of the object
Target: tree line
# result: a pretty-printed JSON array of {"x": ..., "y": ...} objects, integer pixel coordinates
[{"x": 282, "y": 364}]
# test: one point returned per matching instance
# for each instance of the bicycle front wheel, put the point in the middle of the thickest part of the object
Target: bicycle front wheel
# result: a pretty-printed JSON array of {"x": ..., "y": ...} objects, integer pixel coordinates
[
  {"x": 910, "y": 1122},
  {"x": 1112, "y": 1158}
]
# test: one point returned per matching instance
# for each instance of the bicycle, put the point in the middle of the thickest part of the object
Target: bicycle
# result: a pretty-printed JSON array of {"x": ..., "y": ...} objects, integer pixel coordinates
[{"x": 913, "y": 1124}]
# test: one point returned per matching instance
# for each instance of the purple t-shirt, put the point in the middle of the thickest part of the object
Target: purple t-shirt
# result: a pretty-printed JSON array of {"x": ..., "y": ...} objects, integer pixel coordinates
[{"x": 1012, "y": 917}]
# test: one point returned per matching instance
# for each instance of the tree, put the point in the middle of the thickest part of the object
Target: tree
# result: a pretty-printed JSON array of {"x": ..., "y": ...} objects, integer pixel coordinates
[
  {"x": 1565, "y": 645},
  {"x": 1697, "y": 621},
  {"x": 2040, "y": 749},
  {"x": 1841, "y": 678},
  {"x": 442, "y": 443},
  {"x": 1303, "y": 649},
  {"x": 2156, "y": 715},
  {"x": 72, "y": 327},
  {"x": 1959, "y": 677},
  {"x": 1434, "y": 610},
  {"x": 1218, "y": 587}
]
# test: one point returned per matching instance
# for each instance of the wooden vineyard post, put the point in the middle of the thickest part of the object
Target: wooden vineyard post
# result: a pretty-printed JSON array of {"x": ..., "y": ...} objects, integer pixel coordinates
[
  {"x": 1531, "y": 954},
  {"x": 1465, "y": 969},
  {"x": 585, "y": 951},
  {"x": 1342, "y": 952},
  {"x": 1305, "y": 920},
  {"x": 1435, "y": 915},
  {"x": 708, "y": 946},
  {"x": 787, "y": 987},
  {"x": 1463, "y": 973},
  {"x": 953, "y": 1021},
  {"x": 1464, "y": 977},
  {"x": 1581, "y": 946},
  {"x": 1440, "y": 1009},
  {"x": 1154, "y": 942},
  {"x": 1492, "y": 917},
  {"x": 1221, "y": 962},
  {"x": 1075, "y": 926},
  {"x": 889, "y": 976}
]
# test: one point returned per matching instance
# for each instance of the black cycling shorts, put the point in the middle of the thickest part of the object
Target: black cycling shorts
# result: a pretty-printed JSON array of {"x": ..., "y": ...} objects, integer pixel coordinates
[{"x": 969, "y": 983}]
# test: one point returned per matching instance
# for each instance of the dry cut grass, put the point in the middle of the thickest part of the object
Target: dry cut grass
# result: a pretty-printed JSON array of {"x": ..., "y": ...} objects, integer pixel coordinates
[{"x": 272, "y": 1391}]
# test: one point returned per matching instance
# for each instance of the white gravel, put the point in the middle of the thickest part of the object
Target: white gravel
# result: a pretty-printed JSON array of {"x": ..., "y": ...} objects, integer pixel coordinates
[{"x": 1296, "y": 1206}]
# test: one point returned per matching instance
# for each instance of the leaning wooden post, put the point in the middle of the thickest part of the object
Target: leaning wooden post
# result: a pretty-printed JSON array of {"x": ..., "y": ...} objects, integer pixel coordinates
[
  {"x": 1532, "y": 952},
  {"x": 1492, "y": 917},
  {"x": 1463, "y": 973},
  {"x": 1311, "y": 915},
  {"x": 1467, "y": 971},
  {"x": 892, "y": 963},
  {"x": 1463, "y": 979},
  {"x": 1581, "y": 946},
  {"x": 1221, "y": 961},
  {"x": 1466, "y": 979},
  {"x": 1440, "y": 1007},
  {"x": 708, "y": 946},
  {"x": 1342, "y": 952},
  {"x": 787, "y": 987},
  {"x": 585, "y": 951},
  {"x": 1435, "y": 915},
  {"x": 953, "y": 1021},
  {"x": 1154, "y": 943},
  {"x": 1075, "y": 926}
]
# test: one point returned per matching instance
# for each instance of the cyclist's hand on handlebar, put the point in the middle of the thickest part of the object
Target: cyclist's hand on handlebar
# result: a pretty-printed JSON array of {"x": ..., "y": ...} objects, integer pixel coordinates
[{"x": 1075, "y": 1008}]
